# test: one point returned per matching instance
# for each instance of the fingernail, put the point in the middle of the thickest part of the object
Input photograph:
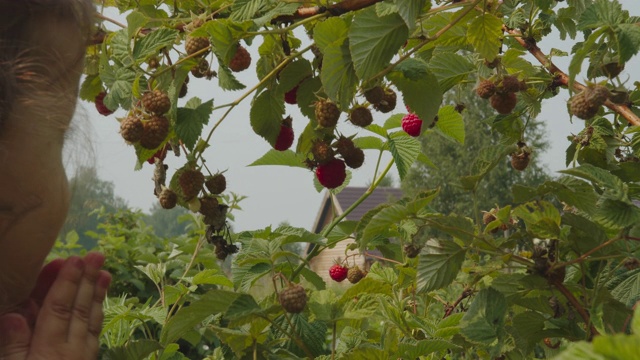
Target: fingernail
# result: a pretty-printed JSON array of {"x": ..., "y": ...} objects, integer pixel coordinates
[{"x": 104, "y": 280}]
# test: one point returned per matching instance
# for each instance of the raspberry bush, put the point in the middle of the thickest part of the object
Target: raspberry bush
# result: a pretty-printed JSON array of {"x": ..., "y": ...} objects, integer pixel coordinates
[{"x": 553, "y": 272}]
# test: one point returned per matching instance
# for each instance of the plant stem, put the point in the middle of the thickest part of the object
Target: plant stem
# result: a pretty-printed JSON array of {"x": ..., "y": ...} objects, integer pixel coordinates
[
  {"x": 333, "y": 343},
  {"x": 584, "y": 256},
  {"x": 534, "y": 50},
  {"x": 366, "y": 254},
  {"x": 576, "y": 304}
]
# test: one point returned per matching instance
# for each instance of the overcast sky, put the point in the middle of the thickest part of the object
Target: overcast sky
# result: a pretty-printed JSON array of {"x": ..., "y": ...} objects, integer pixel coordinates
[{"x": 274, "y": 193}]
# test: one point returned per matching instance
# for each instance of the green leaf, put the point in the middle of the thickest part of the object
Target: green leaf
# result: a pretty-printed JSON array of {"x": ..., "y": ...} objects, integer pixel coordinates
[
  {"x": 541, "y": 218},
  {"x": 405, "y": 150},
  {"x": 245, "y": 9},
  {"x": 120, "y": 90},
  {"x": 312, "y": 335},
  {"x": 284, "y": 158},
  {"x": 455, "y": 225},
  {"x": 628, "y": 291},
  {"x": 439, "y": 269},
  {"x": 484, "y": 321},
  {"x": 224, "y": 35},
  {"x": 333, "y": 31},
  {"x": 617, "y": 347},
  {"x": 369, "y": 142},
  {"x": 602, "y": 13},
  {"x": 266, "y": 115},
  {"x": 244, "y": 276},
  {"x": 211, "y": 303},
  {"x": 211, "y": 277},
  {"x": 450, "y": 123},
  {"x": 374, "y": 41},
  {"x": 293, "y": 74},
  {"x": 628, "y": 36},
  {"x": 450, "y": 69},
  {"x": 409, "y": 10},
  {"x": 338, "y": 75},
  {"x": 151, "y": 44},
  {"x": 324, "y": 305},
  {"x": 314, "y": 279},
  {"x": 191, "y": 119},
  {"x": 575, "y": 66},
  {"x": 424, "y": 347},
  {"x": 579, "y": 350},
  {"x": 306, "y": 98},
  {"x": 487, "y": 158},
  {"x": 382, "y": 221},
  {"x": 90, "y": 88},
  {"x": 420, "y": 88},
  {"x": 394, "y": 121},
  {"x": 485, "y": 34},
  {"x": 227, "y": 80},
  {"x": 133, "y": 350}
]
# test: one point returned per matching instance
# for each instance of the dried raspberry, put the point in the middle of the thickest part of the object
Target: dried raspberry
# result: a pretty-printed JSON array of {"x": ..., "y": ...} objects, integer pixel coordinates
[
  {"x": 293, "y": 299},
  {"x": 156, "y": 102},
  {"x": 332, "y": 174},
  {"x": 504, "y": 103},
  {"x": 352, "y": 155},
  {"x": 612, "y": 69},
  {"x": 361, "y": 116},
  {"x": 488, "y": 217},
  {"x": 374, "y": 95},
  {"x": 285, "y": 137},
  {"x": 155, "y": 132},
  {"x": 131, "y": 129},
  {"x": 208, "y": 206},
  {"x": 153, "y": 63},
  {"x": 291, "y": 96},
  {"x": 195, "y": 44},
  {"x": 388, "y": 102},
  {"x": 354, "y": 275},
  {"x": 322, "y": 152},
  {"x": 168, "y": 199},
  {"x": 100, "y": 106},
  {"x": 191, "y": 181},
  {"x": 587, "y": 103},
  {"x": 510, "y": 83},
  {"x": 520, "y": 161},
  {"x": 485, "y": 89},
  {"x": 241, "y": 60},
  {"x": 327, "y": 113},
  {"x": 201, "y": 69},
  {"x": 412, "y": 124},
  {"x": 216, "y": 184},
  {"x": 338, "y": 272},
  {"x": 411, "y": 250}
]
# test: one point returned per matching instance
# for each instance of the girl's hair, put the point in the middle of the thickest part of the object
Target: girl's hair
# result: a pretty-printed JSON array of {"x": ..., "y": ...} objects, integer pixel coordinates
[{"x": 19, "y": 65}]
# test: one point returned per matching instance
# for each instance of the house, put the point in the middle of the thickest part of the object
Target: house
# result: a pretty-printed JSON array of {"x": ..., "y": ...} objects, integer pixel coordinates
[{"x": 333, "y": 206}]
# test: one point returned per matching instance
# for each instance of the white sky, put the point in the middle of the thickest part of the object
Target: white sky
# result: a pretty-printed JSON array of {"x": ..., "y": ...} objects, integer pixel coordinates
[{"x": 275, "y": 193}]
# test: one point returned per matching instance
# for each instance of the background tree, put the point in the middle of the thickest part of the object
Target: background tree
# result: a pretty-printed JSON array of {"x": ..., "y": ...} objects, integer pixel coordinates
[
  {"x": 168, "y": 223},
  {"x": 89, "y": 193},
  {"x": 453, "y": 161}
]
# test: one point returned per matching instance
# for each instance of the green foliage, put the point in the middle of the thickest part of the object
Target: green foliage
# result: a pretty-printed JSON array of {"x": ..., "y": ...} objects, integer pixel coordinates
[{"x": 552, "y": 265}]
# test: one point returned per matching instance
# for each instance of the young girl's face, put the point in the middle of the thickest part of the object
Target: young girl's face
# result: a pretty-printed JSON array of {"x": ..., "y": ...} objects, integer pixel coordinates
[{"x": 42, "y": 46}]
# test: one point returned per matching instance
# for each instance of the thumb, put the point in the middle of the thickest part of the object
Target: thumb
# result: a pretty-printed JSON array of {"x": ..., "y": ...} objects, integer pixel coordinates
[{"x": 15, "y": 337}]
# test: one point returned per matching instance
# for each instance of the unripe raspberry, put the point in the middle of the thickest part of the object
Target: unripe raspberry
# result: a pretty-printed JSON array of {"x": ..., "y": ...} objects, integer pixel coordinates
[
  {"x": 510, "y": 83},
  {"x": 322, "y": 152},
  {"x": 201, "y": 70},
  {"x": 293, "y": 299},
  {"x": 168, "y": 199},
  {"x": 355, "y": 275},
  {"x": 504, "y": 103},
  {"x": 327, "y": 113},
  {"x": 131, "y": 129},
  {"x": 241, "y": 60},
  {"x": 520, "y": 161},
  {"x": 195, "y": 44},
  {"x": 352, "y": 155},
  {"x": 374, "y": 95},
  {"x": 155, "y": 132},
  {"x": 156, "y": 102},
  {"x": 216, "y": 184},
  {"x": 191, "y": 181},
  {"x": 388, "y": 102},
  {"x": 208, "y": 206},
  {"x": 361, "y": 116},
  {"x": 485, "y": 89}
]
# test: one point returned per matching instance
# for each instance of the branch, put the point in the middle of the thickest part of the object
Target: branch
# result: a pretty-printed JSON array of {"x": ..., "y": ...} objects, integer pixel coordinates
[
  {"x": 584, "y": 256},
  {"x": 335, "y": 10},
  {"x": 465, "y": 294},
  {"x": 563, "y": 78},
  {"x": 576, "y": 304}
]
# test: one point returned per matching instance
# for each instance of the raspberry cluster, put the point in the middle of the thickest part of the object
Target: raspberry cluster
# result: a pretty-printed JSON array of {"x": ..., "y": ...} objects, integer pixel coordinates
[{"x": 501, "y": 93}]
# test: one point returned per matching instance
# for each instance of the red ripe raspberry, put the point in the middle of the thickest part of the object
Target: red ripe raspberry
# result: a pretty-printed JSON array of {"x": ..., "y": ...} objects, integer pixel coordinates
[
  {"x": 412, "y": 124},
  {"x": 285, "y": 137},
  {"x": 241, "y": 60},
  {"x": 338, "y": 272},
  {"x": 291, "y": 96},
  {"x": 100, "y": 106},
  {"x": 332, "y": 174}
]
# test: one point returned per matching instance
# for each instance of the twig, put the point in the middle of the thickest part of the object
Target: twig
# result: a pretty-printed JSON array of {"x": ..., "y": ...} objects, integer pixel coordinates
[
  {"x": 465, "y": 294},
  {"x": 340, "y": 8},
  {"x": 576, "y": 304},
  {"x": 585, "y": 255},
  {"x": 366, "y": 254},
  {"x": 105, "y": 18},
  {"x": 563, "y": 78}
]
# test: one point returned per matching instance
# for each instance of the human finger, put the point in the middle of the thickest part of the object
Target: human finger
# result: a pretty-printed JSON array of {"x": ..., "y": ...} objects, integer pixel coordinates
[
  {"x": 97, "y": 314},
  {"x": 47, "y": 276},
  {"x": 15, "y": 337},
  {"x": 53, "y": 323},
  {"x": 84, "y": 300}
]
